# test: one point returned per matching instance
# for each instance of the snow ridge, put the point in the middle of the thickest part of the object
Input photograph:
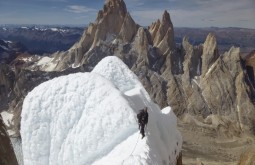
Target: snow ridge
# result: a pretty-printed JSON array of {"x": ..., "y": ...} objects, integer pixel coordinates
[{"x": 90, "y": 118}]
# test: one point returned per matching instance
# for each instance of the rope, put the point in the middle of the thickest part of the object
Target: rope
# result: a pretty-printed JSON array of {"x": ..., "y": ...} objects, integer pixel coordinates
[
  {"x": 135, "y": 145},
  {"x": 136, "y": 142},
  {"x": 133, "y": 149}
]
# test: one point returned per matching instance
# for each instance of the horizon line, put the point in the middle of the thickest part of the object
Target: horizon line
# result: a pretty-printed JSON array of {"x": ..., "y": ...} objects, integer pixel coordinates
[{"x": 86, "y": 25}]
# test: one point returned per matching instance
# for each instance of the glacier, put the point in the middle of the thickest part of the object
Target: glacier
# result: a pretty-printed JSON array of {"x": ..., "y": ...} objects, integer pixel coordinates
[{"x": 90, "y": 118}]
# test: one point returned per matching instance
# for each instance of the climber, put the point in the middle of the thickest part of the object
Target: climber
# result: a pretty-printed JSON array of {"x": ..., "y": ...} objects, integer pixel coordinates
[{"x": 142, "y": 117}]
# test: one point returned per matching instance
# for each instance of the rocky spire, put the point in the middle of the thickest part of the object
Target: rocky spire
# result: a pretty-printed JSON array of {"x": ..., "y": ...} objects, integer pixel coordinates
[
  {"x": 210, "y": 53},
  {"x": 153, "y": 29},
  {"x": 232, "y": 60},
  {"x": 112, "y": 22},
  {"x": 129, "y": 29},
  {"x": 141, "y": 42},
  {"x": 113, "y": 7},
  {"x": 163, "y": 33}
]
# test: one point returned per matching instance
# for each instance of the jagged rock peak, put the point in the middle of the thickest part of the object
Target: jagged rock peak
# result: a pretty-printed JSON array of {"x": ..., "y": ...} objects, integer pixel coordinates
[
  {"x": 154, "y": 28},
  {"x": 210, "y": 41},
  {"x": 113, "y": 20},
  {"x": 114, "y": 2},
  {"x": 232, "y": 60},
  {"x": 166, "y": 18},
  {"x": 162, "y": 31},
  {"x": 112, "y": 6},
  {"x": 186, "y": 43},
  {"x": 185, "y": 39},
  {"x": 142, "y": 41},
  {"x": 113, "y": 23},
  {"x": 128, "y": 29}
]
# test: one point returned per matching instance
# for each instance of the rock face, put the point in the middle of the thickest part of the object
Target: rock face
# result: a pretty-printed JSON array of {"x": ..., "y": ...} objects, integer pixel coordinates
[
  {"x": 250, "y": 65},
  {"x": 7, "y": 155},
  {"x": 191, "y": 79},
  {"x": 248, "y": 157},
  {"x": 6, "y": 84}
]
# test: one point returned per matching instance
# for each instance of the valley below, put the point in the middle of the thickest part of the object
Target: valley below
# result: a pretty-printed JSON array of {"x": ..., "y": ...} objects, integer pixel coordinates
[{"x": 202, "y": 145}]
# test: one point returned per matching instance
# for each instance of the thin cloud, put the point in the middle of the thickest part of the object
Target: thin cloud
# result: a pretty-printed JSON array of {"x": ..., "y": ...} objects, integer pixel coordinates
[
  {"x": 199, "y": 13},
  {"x": 79, "y": 9},
  {"x": 184, "y": 13}
]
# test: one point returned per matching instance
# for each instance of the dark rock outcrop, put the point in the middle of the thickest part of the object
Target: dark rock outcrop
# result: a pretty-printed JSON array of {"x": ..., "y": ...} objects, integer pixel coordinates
[
  {"x": 7, "y": 78},
  {"x": 7, "y": 155}
]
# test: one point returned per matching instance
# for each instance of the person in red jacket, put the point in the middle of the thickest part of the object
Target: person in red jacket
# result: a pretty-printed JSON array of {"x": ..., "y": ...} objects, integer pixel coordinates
[{"x": 142, "y": 117}]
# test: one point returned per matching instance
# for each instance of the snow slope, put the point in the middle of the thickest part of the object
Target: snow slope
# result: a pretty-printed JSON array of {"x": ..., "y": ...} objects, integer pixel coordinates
[
  {"x": 90, "y": 118},
  {"x": 7, "y": 118}
]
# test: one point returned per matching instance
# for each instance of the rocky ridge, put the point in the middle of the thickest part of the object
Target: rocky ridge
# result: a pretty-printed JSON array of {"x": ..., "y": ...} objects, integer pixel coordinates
[{"x": 194, "y": 80}]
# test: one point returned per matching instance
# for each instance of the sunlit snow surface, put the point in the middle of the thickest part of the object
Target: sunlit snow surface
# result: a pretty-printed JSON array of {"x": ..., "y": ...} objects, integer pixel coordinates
[{"x": 90, "y": 118}]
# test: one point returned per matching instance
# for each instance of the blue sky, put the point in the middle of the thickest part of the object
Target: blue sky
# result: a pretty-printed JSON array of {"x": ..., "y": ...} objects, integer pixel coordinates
[{"x": 184, "y": 13}]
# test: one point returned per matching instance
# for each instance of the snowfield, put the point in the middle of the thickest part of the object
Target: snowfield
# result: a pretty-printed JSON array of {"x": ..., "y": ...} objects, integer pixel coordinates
[{"x": 90, "y": 118}]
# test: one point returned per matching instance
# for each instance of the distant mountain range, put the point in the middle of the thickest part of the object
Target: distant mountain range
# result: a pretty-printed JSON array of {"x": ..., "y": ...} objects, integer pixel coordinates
[
  {"x": 226, "y": 37},
  {"x": 40, "y": 39}
]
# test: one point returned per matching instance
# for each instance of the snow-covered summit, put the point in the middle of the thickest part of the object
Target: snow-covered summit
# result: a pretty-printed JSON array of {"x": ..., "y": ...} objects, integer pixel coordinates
[
  {"x": 90, "y": 118},
  {"x": 113, "y": 69}
]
